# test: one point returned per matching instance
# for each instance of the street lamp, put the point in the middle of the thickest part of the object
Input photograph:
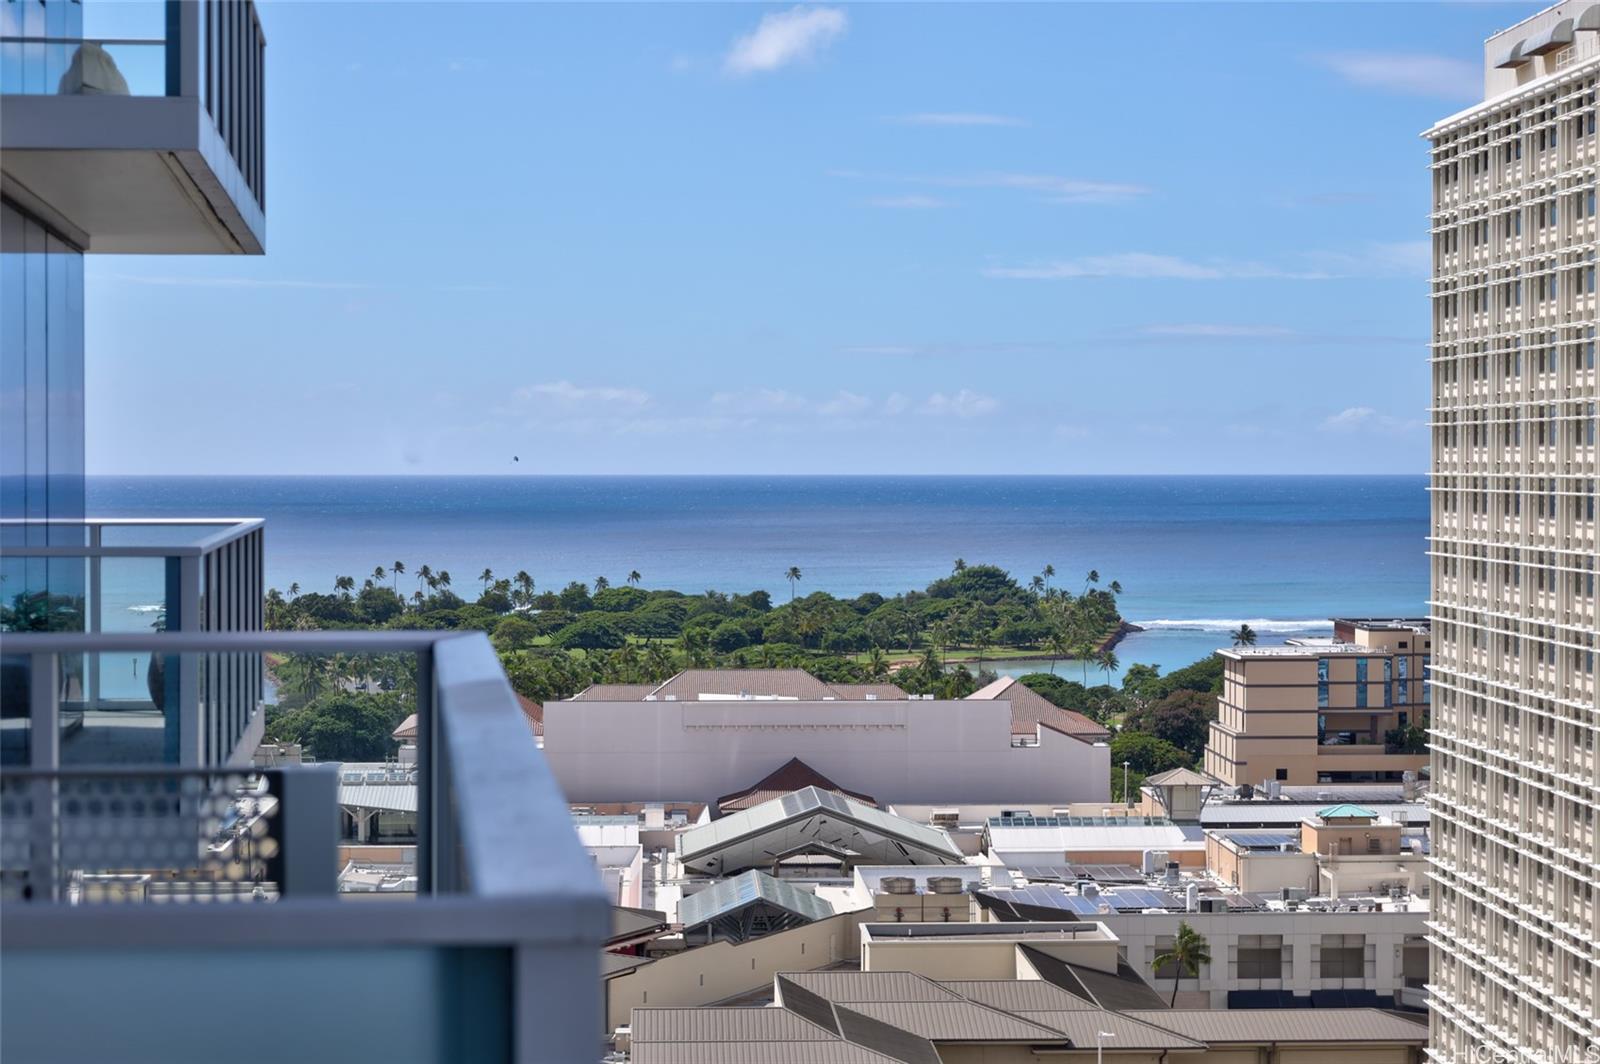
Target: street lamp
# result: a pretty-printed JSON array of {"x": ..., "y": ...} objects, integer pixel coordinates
[
  {"x": 1100, "y": 1046},
  {"x": 1127, "y": 799}
]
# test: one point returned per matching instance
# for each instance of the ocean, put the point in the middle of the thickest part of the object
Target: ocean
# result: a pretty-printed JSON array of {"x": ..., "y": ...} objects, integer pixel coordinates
[{"x": 1196, "y": 556}]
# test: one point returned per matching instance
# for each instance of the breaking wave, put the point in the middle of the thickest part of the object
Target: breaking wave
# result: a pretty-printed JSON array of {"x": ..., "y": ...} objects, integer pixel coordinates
[{"x": 1228, "y": 624}]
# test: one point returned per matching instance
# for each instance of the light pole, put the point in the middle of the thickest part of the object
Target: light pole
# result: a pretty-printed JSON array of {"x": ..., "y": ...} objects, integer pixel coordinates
[
  {"x": 1100, "y": 1046},
  {"x": 1127, "y": 799}
]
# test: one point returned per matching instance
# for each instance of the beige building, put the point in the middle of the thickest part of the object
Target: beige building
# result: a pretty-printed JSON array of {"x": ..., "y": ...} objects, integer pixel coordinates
[
  {"x": 1320, "y": 710},
  {"x": 1516, "y": 779},
  {"x": 1343, "y": 850}
]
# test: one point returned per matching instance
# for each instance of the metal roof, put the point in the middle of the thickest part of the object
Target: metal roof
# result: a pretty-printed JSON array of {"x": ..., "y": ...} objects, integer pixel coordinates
[
  {"x": 1081, "y": 1026},
  {"x": 748, "y": 1025},
  {"x": 751, "y": 888},
  {"x": 955, "y": 1020},
  {"x": 836, "y": 1051},
  {"x": 388, "y": 787},
  {"x": 1016, "y": 995},
  {"x": 1346, "y": 809},
  {"x": 848, "y": 987},
  {"x": 816, "y": 820},
  {"x": 1290, "y": 814},
  {"x": 1286, "y": 1025}
]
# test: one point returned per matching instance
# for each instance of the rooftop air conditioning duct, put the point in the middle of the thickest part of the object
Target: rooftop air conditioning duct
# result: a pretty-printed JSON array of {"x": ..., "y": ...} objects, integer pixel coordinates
[
  {"x": 946, "y": 884},
  {"x": 1088, "y": 888},
  {"x": 1172, "y": 873},
  {"x": 898, "y": 885}
]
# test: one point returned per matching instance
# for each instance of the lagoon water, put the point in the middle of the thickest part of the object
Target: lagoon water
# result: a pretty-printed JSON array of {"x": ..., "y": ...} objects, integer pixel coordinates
[{"x": 1195, "y": 555}]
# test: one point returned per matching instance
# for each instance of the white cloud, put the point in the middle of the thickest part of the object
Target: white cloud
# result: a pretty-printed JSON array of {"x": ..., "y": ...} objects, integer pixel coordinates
[
  {"x": 963, "y": 404},
  {"x": 844, "y": 404},
  {"x": 1139, "y": 265},
  {"x": 565, "y": 391},
  {"x": 1202, "y": 330},
  {"x": 908, "y": 203},
  {"x": 1414, "y": 74},
  {"x": 1405, "y": 259},
  {"x": 784, "y": 37},
  {"x": 896, "y": 404},
  {"x": 956, "y": 118},
  {"x": 1052, "y": 188},
  {"x": 764, "y": 400},
  {"x": 1366, "y": 419}
]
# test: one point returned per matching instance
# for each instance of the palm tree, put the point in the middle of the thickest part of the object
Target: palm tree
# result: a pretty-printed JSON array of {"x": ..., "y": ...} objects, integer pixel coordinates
[
  {"x": 524, "y": 582},
  {"x": 939, "y": 633},
  {"x": 961, "y": 563},
  {"x": 1047, "y": 573},
  {"x": 1036, "y": 585},
  {"x": 600, "y": 584},
  {"x": 1083, "y": 649},
  {"x": 487, "y": 577},
  {"x": 294, "y": 590},
  {"x": 877, "y": 664},
  {"x": 1189, "y": 951},
  {"x": 634, "y": 578},
  {"x": 1059, "y": 648},
  {"x": 443, "y": 576},
  {"x": 379, "y": 574},
  {"x": 1107, "y": 663},
  {"x": 1092, "y": 578},
  {"x": 344, "y": 583},
  {"x": 397, "y": 570},
  {"x": 417, "y": 597},
  {"x": 793, "y": 576},
  {"x": 1244, "y": 636},
  {"x": 1116, "y": 587},
  {"x": 424, "y": 576}
]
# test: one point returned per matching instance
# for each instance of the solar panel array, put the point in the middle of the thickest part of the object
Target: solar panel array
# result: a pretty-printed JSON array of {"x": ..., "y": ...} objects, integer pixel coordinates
[
  {"x": 1134, "y": 898},
  {"x": 1079, "y": 821},
  {"x": 1265, "y": 840}
]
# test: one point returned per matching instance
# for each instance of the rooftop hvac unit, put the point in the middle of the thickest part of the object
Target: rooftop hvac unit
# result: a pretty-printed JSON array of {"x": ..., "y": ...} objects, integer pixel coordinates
[
  {"x": 1213, "y": 905},
  {"x": 671, "y": 698},
  {"x": 1172, "y": 873},
  {"x": 945, "y": 818},
  {"x": 1397, "y": 893},
  {"x": 1154, "y": 861},
  {"x": 898, "y": 885},
  {"x": 946, "y": 884},
  {"x": 1191, "y": 898},
  {"x": 871, "y": 697},
  {"x": 1088, "y": 888}
]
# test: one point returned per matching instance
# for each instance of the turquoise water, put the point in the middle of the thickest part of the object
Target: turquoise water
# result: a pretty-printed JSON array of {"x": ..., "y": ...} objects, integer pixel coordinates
[{"x": 1195, "y": 555}]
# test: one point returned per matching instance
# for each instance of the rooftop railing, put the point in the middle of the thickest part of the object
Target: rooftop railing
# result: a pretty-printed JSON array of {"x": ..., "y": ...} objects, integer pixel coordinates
[{"x": 496, "y": 958}]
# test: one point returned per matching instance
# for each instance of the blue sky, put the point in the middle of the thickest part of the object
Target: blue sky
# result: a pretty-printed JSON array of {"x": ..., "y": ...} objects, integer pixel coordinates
[{"x": 749, "y": 238}]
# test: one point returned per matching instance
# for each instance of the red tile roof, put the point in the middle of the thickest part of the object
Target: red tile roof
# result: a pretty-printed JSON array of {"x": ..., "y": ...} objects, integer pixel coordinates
[
  {"x": 1031, "y": 711},
  {"x": 792, "y": 776}
]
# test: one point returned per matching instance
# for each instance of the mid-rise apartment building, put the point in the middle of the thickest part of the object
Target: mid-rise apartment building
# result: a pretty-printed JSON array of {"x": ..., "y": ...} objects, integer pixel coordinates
[
  {"x": 1515, "y": 775},
  {"x": 1323, "y": 710}
]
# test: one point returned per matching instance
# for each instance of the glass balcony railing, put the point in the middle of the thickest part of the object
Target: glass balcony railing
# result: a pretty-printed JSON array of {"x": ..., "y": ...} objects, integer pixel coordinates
[
  {"x": 187, "y": 886},
  {"x": 77, "y": 66}
]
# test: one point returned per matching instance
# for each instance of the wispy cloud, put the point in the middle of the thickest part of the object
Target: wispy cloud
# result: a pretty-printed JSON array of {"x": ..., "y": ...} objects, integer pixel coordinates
[
  {"x": 964, "y": 404},
  {"x": 957, "y": 347},
  {"x": 1138, "y": 265},
  {"x": 564, "y": 391},
  {"x": 955, "y": 118},
  {"x": 1203, "y": 330},
  {"x": 1410, "y": 73},
  {"x": 908, "y": 203},
  {"x": 1051, "y": 188},
  {"x": 785, "y": 37},
  {"x": 1366, "y": 419},
  {"x": 761, "y": 400},
  {"x": 1404, "y": 259},
  {"x": 845, "y": 404}
]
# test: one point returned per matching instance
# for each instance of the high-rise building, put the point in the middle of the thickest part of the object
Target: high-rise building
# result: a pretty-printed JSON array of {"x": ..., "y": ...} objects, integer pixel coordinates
[{"x": 1516, "y": 780}]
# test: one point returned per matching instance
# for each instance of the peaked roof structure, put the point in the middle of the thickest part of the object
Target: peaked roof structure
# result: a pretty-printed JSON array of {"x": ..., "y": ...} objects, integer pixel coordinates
[
  {"x": 812, "y": 821},
  {"x": 1031, "y": 711},
  {"x": 1346, "y": 811},
  {"x": 1182, "y": 777},
  {"x": 793, "y": 775},
  {"x": 750, "y": 905}
]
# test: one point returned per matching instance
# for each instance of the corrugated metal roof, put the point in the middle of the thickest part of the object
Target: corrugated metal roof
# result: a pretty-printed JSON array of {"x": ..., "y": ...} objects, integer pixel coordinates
[
  {"x": 707, "y": 1025},
  {"x": 1011, "y": 838},
  {"x": 720, "y": 1052},
  {"x": 1286, "y": 1025},
  {"x": 750, "y": 888},
  {"x": 1081, "y": 1026},
  {"x": 358, "y": 789},
  {"x": 847, "y": 987},
  {"x": 1015, "y": 995},
  {"x": 956, "y": 1020}
]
